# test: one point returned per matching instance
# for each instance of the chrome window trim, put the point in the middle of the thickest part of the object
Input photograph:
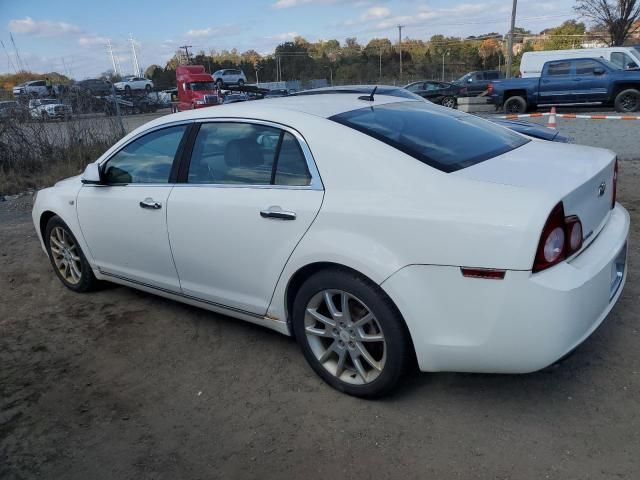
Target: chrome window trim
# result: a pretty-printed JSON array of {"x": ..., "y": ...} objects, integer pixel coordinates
[
  {"x": 141, "y": 134},
  {"x": 316, "y": 180}
]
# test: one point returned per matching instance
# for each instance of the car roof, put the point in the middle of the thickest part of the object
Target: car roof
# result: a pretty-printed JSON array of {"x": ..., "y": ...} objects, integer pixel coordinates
[{"x": 281, "y": 109}]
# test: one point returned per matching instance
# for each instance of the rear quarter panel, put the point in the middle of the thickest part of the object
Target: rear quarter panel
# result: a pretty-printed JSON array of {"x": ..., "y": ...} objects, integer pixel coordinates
[{"x": 384, "y": 210}]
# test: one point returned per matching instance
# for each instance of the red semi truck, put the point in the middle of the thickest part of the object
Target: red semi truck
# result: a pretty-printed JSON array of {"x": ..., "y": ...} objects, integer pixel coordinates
[{"x": 196, "y": 88}]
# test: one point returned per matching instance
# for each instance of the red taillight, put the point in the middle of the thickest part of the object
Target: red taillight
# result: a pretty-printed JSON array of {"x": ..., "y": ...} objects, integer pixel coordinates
[
  {"x": 561, "y": 237},
  {"x": 490, "y": 88},
  {"x": 614, "y": 189}
]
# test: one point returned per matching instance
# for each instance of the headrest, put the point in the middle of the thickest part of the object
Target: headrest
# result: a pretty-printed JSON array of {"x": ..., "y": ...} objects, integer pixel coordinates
[{"x": 243, "y": 153}]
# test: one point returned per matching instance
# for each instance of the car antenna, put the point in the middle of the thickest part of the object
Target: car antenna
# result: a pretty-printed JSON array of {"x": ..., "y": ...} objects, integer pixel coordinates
[{"x": 369, "y": 97}]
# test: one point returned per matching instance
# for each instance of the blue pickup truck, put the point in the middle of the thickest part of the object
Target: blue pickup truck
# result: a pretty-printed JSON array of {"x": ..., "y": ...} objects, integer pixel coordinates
[{"x": 579, "y": 81}]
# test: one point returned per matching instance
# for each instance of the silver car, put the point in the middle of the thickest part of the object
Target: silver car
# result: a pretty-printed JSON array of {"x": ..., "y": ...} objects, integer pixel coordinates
[
  {"x": 229, "y": 76},
  {"x": 34, "y": 88}
]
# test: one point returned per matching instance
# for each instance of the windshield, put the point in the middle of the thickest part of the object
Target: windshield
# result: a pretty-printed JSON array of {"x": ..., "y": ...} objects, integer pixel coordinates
[
  {"x": 464, "y": 78},
  {"x": 445, "y": 140},
  {"x": 48, "y": 102},
  {"x": 201, "y": 86}
]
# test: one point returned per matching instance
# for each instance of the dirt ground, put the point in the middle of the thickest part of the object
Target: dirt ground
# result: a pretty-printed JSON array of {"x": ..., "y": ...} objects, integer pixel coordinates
[{"x": 120, "y": 384}]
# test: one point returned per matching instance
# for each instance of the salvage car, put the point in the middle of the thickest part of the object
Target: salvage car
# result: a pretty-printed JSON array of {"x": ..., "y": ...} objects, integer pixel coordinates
[
  {"x": 442, "y": 93},
  {"x": 381, "y": 232},
  {"x": 49, "y": 109}
]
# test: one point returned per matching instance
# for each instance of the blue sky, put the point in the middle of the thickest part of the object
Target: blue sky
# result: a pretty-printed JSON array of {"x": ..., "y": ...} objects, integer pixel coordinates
[{"x": 70, "y": 36}]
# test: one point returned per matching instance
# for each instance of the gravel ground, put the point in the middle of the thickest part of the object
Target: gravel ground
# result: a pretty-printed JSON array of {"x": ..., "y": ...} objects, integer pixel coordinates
[
  {"x": 122, "y": 384},
  {"x": 621, "y": 136}
]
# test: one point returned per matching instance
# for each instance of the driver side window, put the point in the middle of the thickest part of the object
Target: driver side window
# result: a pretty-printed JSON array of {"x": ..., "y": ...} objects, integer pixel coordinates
[{"x": 148, "y": 159}]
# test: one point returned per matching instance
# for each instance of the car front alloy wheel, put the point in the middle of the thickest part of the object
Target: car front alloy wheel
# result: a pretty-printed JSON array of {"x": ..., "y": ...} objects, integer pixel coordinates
[{"x": 67, "y": 258}]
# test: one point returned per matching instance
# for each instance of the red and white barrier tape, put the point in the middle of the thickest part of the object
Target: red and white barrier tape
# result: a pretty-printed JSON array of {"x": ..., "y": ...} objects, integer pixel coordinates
[{"x": 571, "y": 115}]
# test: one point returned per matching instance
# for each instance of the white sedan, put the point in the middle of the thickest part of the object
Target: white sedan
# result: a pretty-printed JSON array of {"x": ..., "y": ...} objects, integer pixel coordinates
[{"x": 380, "y": 232}]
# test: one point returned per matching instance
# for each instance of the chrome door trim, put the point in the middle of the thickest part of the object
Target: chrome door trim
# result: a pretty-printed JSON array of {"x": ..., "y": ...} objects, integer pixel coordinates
[{"x": 180, "y": 294}]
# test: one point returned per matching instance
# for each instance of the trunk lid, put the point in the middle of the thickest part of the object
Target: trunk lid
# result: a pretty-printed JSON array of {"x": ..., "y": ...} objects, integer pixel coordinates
[{"x": 579, "y": 176}]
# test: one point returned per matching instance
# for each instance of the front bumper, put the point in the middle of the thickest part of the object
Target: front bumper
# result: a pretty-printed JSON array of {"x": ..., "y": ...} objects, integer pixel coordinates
[{"x": 517, "y": 325}]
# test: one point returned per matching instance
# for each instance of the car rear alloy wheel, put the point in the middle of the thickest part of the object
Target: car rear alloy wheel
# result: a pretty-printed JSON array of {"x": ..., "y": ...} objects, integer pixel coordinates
[
  {"x": 628, "y": 101},
  {"x": 449, "y": 102},
  {"x": 345, "y": 337},
  {"x": 67, "y": 258},
  {"x": 515, "y": 105},
  {"x": 350, "y": 333}
]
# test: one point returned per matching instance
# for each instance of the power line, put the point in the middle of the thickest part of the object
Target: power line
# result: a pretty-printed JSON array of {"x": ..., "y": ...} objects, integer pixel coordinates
[{"x": 9, "y": 61}]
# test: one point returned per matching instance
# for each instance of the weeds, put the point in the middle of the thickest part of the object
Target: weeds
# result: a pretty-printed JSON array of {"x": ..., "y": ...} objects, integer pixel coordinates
[{"x": 36, "y": 154}]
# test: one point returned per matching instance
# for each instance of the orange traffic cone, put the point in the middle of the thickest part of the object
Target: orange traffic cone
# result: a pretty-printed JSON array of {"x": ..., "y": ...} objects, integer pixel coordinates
[{"x": 552, "y": 118}]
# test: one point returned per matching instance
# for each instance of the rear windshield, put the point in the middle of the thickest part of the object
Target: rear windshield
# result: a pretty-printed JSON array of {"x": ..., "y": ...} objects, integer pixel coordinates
[{"x": 444, "y": 139}]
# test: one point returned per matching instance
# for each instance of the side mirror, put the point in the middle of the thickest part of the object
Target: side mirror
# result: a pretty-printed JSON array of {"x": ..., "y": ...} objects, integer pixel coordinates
[
  {"x": 598, "y": 71},
  {"x": 91, "y": 175}
]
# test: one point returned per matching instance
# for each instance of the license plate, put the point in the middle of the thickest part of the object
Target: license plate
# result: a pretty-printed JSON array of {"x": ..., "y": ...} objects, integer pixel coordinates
[{"x": 617, "y": 271}]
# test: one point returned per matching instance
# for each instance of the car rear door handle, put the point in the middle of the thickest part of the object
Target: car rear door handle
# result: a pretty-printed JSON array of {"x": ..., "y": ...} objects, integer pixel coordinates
[
  {"x": 277, "y": 213},
  {"x": 151, "y": 204}
]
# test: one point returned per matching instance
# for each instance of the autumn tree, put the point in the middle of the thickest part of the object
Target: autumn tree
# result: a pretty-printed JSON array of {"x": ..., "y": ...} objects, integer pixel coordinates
[
  {"x": 617, "y": 17},
  {"x": 487, "y": 49}
]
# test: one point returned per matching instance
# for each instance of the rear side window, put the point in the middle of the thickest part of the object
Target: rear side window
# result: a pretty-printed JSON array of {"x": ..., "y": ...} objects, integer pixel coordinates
[
  {"x": 585, "y": 67},
  {"x": 247, "y": 154},
  {"x": 560, "y": 68},
  {"x": 445, "y": 140}
]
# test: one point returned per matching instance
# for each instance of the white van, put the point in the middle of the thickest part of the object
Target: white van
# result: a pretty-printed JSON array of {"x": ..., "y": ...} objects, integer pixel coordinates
[{"x": 623, "y": 57}]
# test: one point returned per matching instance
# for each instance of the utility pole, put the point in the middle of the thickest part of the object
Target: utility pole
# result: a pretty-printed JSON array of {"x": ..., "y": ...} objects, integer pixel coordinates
[
  {"x": 400, "y": 47},
  {"x": 448, "y": 52},
  {"x": 510, "y": 39},
  {"x": 380, "y": 67},
  {"x": 186, "y": 52},
  {"x": 118, "y": 68},
  {"x": 134, "y": 57},
  {"x": 113, "y": 60},
  {"x": 18, "y": 59}
]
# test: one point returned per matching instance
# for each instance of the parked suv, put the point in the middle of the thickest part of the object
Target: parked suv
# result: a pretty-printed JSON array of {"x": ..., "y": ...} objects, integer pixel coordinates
[
  {"x": 478, "y": 82},
  {"x": 95, "y": 86},
  {"x": 47, "y": 109},
  {"x": 34, "y": 88},
  {"x": 229, "y": 76}
]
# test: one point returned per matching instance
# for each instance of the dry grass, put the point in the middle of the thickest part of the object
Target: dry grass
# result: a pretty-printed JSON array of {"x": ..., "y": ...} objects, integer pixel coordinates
[{"x": 35, "y": 154}]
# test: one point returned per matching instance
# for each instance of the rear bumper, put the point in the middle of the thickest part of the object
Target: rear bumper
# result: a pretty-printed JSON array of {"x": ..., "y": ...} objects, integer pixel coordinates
[{"x": 517, "y": 325}]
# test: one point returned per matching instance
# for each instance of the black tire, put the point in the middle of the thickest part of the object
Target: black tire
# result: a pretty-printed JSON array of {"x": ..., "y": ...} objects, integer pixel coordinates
[
  {"x": 396, "y": 337},
  {"x": 219, "y": 83},
  {"x": 241, "y": 83},
  {"x": 449, "y": 102},
  {"x": 147, "y": 87},
  {"x": 127, "y": 89},
  {"x": 45, "y": 116},
  {"x": 87, "y": 281},
  {"x": 515, "y": 105},
  {"x": 627, "y": 101}
]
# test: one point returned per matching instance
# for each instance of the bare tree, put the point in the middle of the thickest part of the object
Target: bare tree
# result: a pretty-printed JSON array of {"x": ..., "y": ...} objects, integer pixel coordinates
[{"x": 617, "y": 17}]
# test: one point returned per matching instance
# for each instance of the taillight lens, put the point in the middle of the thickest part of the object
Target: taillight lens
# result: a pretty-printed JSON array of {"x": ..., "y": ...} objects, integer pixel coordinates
[
  {"x": 561, "y": 237},
  {"x": 614, "y": 189},
  {"x": 490, "y": 88}
]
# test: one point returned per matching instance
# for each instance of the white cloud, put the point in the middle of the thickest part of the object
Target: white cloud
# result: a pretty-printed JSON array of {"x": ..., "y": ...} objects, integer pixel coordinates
[
  {"x": 280, "y": 4},
  {"x": 90, "y": 40},
  {"x": 203, "y": 32},
  {"x": 375, "y": 13},
  {"x": 42, "y": 28}
]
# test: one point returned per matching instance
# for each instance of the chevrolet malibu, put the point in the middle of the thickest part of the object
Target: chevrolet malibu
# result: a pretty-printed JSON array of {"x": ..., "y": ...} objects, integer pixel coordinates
[{"x": 380, "y": 232}]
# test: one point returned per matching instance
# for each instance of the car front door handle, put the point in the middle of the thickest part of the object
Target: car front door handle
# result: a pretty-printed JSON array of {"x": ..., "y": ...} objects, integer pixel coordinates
[
  {"x": 277, "y": 213},
  {"x": 151, "y": 204}
]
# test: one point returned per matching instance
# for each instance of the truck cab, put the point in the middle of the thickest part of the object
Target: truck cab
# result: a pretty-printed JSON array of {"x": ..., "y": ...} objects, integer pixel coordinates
[{"x": 196, "y": 88}]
